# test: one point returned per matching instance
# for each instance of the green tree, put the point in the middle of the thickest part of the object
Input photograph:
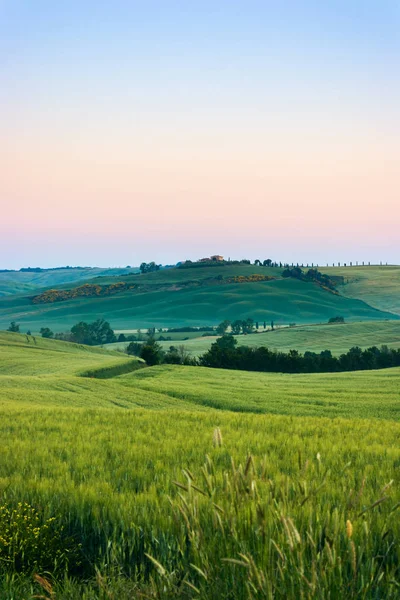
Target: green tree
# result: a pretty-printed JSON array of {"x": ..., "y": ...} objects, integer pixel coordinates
[
  {"x": 151, "y": 352},
  {"x": 101, "y": 332},
  {"x": 237, "y": 327},
  {"x": 96, "y": 333},
  {"x": 149, "y": 267},
  {"x": 223, "y": 327},
  {"x": 336, "y": 320},
  {"x": 226, "y": 342},
  {"x": 134, "y": 348},
  {"x": 248, "y": 326},
  {"x": 80, "y": 333},
  {"x": 46, "y": 332},
  {"x": 13, "y": 327},
  {"x": 172, "y": 357}
]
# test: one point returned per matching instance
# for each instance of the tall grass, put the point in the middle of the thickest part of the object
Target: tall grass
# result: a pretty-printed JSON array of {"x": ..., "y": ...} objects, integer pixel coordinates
[
  {"x": 190, "y": 501},
  {"x": 161, "y": 508}
]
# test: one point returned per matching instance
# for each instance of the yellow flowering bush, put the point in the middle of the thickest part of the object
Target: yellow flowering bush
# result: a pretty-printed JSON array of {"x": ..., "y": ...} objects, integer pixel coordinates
[
  {"x": 87, "y": 290},
  {"x": 28, "y": 542}
]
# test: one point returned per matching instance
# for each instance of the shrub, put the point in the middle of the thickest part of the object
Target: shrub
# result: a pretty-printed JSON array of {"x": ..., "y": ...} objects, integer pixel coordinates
[
  {"x": 134, "y": 348},
  {"x": 29, "y": 542},
  {"x": 336, "y": 320}
]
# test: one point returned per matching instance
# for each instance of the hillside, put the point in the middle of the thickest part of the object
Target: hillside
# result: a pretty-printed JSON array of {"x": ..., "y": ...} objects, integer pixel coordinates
[
  {"x": 313, "y": 338},
  {"x": 134, "y": 466},
  {"x": 198, "y": 296},
  {"x": 19, "y": 282},
  {"x": 379, "y": 286},
  {"x": 50, "y": 373}
]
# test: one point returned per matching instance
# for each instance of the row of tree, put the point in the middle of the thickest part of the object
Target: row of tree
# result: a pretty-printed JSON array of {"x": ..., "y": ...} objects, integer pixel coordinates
[
  {"x": 241, "y": 326},
  {"x": 224, "y": 354},
  {"x": 311, "y": 275}
]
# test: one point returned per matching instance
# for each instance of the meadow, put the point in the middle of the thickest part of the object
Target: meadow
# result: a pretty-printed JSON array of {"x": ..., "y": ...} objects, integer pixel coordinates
[
  {"x": 178, "y": 297},
  {"x": 19, "y": 282},
  {"x": 338, "y": 338},
  {"x": 184, "y": 482},
  {"x": 376, "y": 285}
]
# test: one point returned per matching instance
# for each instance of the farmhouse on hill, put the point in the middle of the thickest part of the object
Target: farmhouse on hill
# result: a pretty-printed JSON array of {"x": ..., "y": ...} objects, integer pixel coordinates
[{"x": 214, "y": 258}]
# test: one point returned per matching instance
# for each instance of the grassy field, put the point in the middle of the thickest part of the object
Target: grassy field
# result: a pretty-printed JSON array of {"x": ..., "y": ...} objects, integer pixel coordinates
[
  {"x": 177, "y": 297},
  {"x": 17, "y": 282},
  {"x": 278, "y": 465},
  {"x": 314, "y": 338},
  {"x": 50, "y": 373},
  {"x": 378, "y": 286}
]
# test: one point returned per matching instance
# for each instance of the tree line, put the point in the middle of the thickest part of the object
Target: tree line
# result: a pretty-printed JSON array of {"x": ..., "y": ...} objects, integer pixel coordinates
[
  {"x": 92, "y": 334},
  {"x": 225, "y": 354}
]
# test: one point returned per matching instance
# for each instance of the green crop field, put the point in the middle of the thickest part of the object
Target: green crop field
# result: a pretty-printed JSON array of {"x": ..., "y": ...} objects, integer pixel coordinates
[
  {"x": 184, "y": 482},
  {"x": 379, "y": 286},
  {"x": 176, "y": 297},
  {"x": 313, "y": 338},
  {"x": 19, "y": 282}
]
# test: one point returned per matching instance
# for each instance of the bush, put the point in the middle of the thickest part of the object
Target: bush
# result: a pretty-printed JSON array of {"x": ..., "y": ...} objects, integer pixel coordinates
[
  {"x": 336, "y": 320},
  {"x": 45, "y": 332},
  {"x": 29, "y": 542},
  {"x": 134, "y": 348},
  {"x": 151, "y": 352}
]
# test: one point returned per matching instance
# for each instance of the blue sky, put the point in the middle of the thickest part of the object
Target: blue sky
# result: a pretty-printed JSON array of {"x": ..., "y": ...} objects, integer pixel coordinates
[{"x": 165, "y": 130}]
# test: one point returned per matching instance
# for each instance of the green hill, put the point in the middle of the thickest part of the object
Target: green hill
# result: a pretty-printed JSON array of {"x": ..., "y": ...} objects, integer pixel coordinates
[
  {"x": 56, "y": 373},
  {"x": 19, "y": 282},
  {"x": 379, "y": 286},
  {"x": 313, "y": 338},
  {"x": 197, "y": 296}
]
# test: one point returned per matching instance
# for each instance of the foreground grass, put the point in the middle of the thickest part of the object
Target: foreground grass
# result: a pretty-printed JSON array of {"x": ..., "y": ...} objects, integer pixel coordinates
[
  {"x": 107, "y": 476},
  {"x": 197, "y": 494}
]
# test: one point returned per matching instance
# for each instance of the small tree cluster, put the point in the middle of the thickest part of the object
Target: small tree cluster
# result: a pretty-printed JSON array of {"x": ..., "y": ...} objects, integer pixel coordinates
[
  {"x": 311, "y": 275},
  {"x": 149, "y": 267},
  {"x": 152, "y": 353}
]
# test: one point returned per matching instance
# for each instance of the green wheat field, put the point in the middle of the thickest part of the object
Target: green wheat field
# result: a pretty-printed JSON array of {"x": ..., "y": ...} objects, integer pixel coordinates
[{"x": 184, "y": 482}]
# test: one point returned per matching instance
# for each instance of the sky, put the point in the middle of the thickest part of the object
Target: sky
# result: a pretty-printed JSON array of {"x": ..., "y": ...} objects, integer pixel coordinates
[{"x": 166, "y": 130}]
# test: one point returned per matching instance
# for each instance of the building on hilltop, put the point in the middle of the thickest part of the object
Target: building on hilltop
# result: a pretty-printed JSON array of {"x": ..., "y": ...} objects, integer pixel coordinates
[{"x": 214, "y": 258}]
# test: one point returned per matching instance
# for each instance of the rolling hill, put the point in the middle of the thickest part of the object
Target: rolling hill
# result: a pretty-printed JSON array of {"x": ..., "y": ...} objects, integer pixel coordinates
[
  {"x": 314, "y": 338},
  {"x": 133, "y": 467},
  {"x": 379, "y": 286},
  {"x": 19, "y": 282},
  {"x": 54, "y": 373},
  {"x": 197, "y": 296}
]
